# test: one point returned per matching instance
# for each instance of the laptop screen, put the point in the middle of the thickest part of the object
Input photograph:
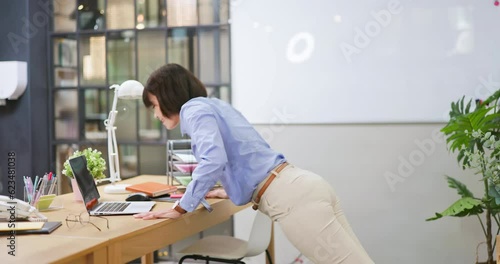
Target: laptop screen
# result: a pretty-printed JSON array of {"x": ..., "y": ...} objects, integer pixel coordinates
[{"x": 85, "y": 181}]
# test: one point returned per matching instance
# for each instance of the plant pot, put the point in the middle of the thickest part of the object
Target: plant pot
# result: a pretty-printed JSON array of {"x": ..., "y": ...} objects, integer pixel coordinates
[{"x": 76, "y": 191}]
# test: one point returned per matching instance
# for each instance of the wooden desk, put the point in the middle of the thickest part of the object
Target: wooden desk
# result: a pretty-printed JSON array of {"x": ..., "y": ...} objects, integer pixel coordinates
[
  {"x": 50, "y": 249},
  {"x": 127, "y": 238}
]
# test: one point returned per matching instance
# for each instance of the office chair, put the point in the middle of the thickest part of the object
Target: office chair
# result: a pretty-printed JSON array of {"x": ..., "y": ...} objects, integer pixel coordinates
[{"x": 228, "y": 249}]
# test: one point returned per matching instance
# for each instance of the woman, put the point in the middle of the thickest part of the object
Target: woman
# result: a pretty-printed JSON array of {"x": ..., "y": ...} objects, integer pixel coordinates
[{"x": 228, "y": 149}]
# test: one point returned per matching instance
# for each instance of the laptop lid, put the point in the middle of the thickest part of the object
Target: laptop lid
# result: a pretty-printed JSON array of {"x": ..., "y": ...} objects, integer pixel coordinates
[{"x": 85, "y": 181}]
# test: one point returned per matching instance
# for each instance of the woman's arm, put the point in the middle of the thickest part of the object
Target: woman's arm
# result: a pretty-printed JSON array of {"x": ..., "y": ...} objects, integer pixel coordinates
[{"x": 207, "y": 143}]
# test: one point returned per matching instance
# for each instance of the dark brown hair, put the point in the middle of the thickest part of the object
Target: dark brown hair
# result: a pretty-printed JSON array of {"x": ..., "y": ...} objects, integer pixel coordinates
[{"x": 173, "y": 86}]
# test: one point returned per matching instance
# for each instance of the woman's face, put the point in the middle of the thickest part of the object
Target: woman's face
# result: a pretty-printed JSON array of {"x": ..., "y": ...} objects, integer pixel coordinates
[{"x": 169, "y": 123}]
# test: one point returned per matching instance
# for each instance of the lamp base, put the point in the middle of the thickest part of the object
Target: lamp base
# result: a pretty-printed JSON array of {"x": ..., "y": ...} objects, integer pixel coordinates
[{"x": 116, "y": 188}]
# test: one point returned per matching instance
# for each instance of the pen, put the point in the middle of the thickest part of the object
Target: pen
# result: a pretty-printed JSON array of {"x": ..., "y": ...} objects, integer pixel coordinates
[
  {"x": 26, "y": 189},
  {"x": 36, "y": 183},
  {"x": 36, "y": 190},
  {"x": 40, "y": 191},
  {"x": 52, "y": 185},
  {"x": 30, "y": 188},
  {"x": 46, "y": 185}
]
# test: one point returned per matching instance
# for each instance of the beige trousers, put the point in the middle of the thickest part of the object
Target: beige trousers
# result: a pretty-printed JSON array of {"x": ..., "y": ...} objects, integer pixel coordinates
[{"x": 309, "y": 213}]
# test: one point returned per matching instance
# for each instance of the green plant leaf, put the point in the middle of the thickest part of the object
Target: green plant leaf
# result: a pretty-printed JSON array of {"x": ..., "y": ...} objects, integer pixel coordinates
[
  {"x": 460, "y": 187},
  {"x": 494, "y": 207},
  {"x": 462, "y": 123},
  {"x": 493, "y": 192},
  {"x": 464, "y": 207},
  {"x": 495, "y": 96},
  {"x": 467, "y": 109},
  {"x": 96, "y": 164}
]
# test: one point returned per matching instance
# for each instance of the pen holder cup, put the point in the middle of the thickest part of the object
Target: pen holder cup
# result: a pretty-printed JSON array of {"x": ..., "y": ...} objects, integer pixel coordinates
[{"x": 45, "y": 202}]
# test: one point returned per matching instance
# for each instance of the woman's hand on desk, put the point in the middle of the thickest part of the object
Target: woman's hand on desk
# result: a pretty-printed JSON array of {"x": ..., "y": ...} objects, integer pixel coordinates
[
  {"x": 217, "y": 193},
  {"x": 169, "y": 213}
]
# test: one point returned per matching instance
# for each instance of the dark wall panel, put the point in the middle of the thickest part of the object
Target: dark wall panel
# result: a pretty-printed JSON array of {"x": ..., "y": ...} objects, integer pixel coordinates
[
  {"x": 38, "y": 83},
  {"x": 24, "y": 122}
]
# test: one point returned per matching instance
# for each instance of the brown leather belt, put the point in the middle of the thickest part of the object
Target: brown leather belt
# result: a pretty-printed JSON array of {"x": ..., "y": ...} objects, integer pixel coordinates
[{"x": 270, "y": 178}]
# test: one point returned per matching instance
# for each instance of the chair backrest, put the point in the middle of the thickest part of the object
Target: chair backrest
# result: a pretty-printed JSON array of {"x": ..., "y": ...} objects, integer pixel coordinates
[{"x": 260, "y": 235}]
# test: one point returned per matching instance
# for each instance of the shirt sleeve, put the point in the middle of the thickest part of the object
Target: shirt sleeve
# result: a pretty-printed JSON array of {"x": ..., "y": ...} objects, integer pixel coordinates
[{"x": 207, "y": 144}]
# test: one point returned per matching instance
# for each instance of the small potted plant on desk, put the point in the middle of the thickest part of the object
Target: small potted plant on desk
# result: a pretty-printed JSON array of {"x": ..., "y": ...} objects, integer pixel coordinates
[
  {"x": 95, "y": 164},
  {"x": 474, "y": 132}
]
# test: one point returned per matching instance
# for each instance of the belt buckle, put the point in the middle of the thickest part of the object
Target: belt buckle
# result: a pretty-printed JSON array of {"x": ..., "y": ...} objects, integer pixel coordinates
[{"x": 255, "y": 205}]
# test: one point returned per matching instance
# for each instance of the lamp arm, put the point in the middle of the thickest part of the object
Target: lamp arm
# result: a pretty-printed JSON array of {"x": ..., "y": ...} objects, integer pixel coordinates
[
  {"x": 116, "y": 175},
  {"x": 114, "y": 165}
]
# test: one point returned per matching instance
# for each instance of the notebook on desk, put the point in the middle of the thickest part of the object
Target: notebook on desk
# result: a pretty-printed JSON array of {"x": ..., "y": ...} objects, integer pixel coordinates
[
  {"x": 91, "y": 196},
  {"x": 46, "y": 228},
  {"x": 152, "y": 189}
]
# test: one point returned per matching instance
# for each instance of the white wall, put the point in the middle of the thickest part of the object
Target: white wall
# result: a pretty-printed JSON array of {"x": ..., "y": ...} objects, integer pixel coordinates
[
  {"x": 364, "y": 119},
  {"x": 389, "y": 221},
  {"x": 333, "y": 61}
]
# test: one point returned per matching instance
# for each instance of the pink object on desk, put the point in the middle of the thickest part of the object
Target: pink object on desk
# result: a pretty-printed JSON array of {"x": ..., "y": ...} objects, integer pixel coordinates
[
  {"x": 76, "y": 191},
  {"x": 176, "y": 195}
]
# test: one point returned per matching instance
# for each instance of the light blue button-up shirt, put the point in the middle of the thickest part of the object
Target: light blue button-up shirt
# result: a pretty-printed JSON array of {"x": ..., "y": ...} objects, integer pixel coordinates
[{"x": 227, "y": 148}]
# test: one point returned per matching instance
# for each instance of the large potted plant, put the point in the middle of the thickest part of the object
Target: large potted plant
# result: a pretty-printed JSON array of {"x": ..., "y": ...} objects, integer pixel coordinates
[{"x": 474, "y": 132}]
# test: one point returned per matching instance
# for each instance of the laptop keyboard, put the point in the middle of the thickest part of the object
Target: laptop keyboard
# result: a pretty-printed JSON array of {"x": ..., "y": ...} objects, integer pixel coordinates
[{"x": 113, "y": 207}]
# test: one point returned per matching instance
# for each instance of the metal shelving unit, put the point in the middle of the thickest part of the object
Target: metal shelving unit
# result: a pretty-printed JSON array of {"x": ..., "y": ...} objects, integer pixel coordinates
[{"x": 177, "y": 149}]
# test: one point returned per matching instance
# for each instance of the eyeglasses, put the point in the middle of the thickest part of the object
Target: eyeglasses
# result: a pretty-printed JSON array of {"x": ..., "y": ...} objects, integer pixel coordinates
[{"x": 83, "y": 218}]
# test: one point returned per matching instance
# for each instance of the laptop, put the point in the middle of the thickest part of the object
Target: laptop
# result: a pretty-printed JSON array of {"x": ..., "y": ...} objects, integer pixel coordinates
[{"x": 91, "y": 196}]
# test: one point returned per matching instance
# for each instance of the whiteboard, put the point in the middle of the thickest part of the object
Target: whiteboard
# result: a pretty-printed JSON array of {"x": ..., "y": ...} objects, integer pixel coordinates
[{"x": 333, "y": 61}]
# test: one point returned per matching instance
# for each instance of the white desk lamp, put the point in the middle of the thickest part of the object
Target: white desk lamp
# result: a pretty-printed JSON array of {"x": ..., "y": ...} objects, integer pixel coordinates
[{"x": 127, "y": 90}]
